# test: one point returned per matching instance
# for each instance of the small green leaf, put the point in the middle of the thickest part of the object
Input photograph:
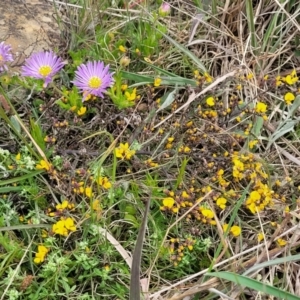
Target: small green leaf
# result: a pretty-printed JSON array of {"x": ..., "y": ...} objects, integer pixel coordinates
[
  {"x": 294, "y": 107},
  {"x": 258, "y": 125},
  {"x": 38, "y": 134},
  {"x": 131, "y": 219},
  {"x": 20, "y": 178},
  {"x": 15, "y": 123},
  {"x": 282, "y": 130},
  {"x": 169, "y": 100}
]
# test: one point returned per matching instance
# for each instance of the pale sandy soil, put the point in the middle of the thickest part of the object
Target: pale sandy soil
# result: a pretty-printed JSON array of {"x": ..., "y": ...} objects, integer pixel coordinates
[{"x": 28, "y": 26}]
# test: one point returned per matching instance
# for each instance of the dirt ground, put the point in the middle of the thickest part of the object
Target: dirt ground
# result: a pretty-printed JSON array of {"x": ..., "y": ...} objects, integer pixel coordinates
[{"x": 28, "y": 26}]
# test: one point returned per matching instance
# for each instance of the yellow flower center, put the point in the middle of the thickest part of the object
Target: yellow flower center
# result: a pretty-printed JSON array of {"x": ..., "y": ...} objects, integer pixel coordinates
[
  {"x": 45, "y": 70},
  {"x": 1, "y": 58},
  {"x": 95, "y": 82}
]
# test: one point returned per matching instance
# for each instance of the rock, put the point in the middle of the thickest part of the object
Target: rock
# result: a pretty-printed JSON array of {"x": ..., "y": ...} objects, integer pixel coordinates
[{"x": 28, "y": 26}]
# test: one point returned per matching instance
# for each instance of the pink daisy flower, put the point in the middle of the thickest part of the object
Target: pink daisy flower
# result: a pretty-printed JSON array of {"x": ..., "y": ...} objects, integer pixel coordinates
[
  {"x": 93, "y": 78},
  {"x": 42, "y": 65},
  {"x": 5, "y": 56}
]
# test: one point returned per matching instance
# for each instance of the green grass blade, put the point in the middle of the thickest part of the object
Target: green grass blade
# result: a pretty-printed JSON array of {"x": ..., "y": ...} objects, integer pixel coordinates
[
  {"x": 254, "y": 284},
  {"x": 136, "y": 259},
  {"x": 181, "y": 174},
  {"x": 258, "y": 126},
  {"x": 160, "y": 70},
  {"x": 187, "y": 52},
  {"x": 277, "y": 261},
  {"x": 25, "y": 227},
  {"x": 20, "y": 178},
  {"x": 251, "y": 25},
  {"x": 170, "y": 80},
  {"x": 268, "y": 36},
  {"x": 9, "y": 189},
  {"x": 169, "y": 99}
]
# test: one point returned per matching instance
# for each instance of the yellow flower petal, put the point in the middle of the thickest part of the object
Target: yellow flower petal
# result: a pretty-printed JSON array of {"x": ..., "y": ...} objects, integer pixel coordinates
[
  {"x": 157, "y": 82},
  {"x": 235, "y": 230},
  {"x": 69, "y": 224},
  {"x": 289, "y": 97},
  {"x": 210, "y": 101},
  {"x": 81, "y": 111},
  {"x": 168, "y": 202}
]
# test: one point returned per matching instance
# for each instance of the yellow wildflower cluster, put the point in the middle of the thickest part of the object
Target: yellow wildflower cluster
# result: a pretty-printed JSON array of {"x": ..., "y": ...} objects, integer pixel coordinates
[
  {"x": 259, "y": 198},
  {"x": 150, "y": 163},
  {"x": 260, "y": 236},
  {"x": 208, "y": 78},
  {"x": 235, "y": 230},
  {"x": 124, "y": 87},
  {"x": 104, "y": 182},
  {"x": 184, "y": 149},
  {"x": 97, "y": 208},
  {"x": 281, "y": 242},
  {"x": 203, "y": 214},
  {"x": 170, "y": 141},
  {"x": 221, "y": 202},
  {"x": 201, "y": 79},
  {"x": 174, "y": 203},
  {"x": 122, "y": 48},
  {"x": 192, "y": 135},
  {"x": 223, "y": 183},
  {"x": 252, "y": 144},
  {"x": 278, "y": 81},
  {"x": 210, "y": 101},
  {"x": 65, "y": 205},
  {"x": 289, "y": 98},
  {"x": 206, "y": 216},
  {"x": 61, "y": 207},
  {"x": 79, "y": 188},
  {"x": 168, "y": 205},
  {"x": 49, "y": 139},
  {"x": 81, "y": 111},
  {"x": 245, "y": 167},
  {"x": 41, "y": 254},
  {"x": 291, "y": 78},
  {"x": 177, "y": 248},
  {"x": 44, "y": 165},
  {"x": 88, "y": 97},
  {"x": 157, "y": 82},
  {"x": 64, "y": 226},
  {"x": 261, "y": 107},
  {"x": 238, "y": 167},
  {"x": 207, "y": 114},
  {"x": 124, "y": 152},
  {"x": 61, "y": 124},
  {"x": 131, "y": 95},
  {"x": 96, "y": 205}
]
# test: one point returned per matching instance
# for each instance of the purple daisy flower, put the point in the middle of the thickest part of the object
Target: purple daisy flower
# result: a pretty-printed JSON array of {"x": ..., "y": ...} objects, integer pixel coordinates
[
  {"x": 93, "y": 78},
  {"x": 5, "y": 56},
  {"x": 42, "y": 65}
]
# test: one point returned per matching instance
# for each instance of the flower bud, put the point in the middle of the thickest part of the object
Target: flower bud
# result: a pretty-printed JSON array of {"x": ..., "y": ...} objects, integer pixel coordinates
[
  {"x": 164, "y": 9},
  {"x": 124, "y": 61}
]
